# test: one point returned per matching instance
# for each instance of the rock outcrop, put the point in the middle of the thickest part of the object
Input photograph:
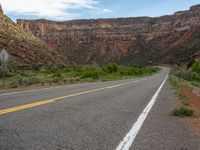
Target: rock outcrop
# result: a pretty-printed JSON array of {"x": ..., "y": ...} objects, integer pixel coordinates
[
  {"x": 26, "y": 50},
  {"x": 135, "y": 41}
]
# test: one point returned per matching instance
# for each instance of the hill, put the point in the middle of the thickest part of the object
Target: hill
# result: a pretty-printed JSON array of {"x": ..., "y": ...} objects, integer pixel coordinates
[{"x": 25, "y": 50}]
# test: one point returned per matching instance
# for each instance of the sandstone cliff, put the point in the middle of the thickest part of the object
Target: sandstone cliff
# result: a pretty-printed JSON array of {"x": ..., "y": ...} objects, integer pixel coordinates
[
  {"x": 135, "y": 41},
  {"x": 25, "y": 50}
]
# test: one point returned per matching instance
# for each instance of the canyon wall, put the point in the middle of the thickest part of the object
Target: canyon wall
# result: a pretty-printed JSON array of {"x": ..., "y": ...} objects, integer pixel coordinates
[{"x": 135, "y": 41}]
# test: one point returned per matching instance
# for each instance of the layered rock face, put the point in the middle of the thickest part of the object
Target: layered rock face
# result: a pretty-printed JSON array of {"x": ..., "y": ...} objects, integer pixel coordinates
[
  {"x": 25, "y": 50},
  {"x": 135, "y": 41}
]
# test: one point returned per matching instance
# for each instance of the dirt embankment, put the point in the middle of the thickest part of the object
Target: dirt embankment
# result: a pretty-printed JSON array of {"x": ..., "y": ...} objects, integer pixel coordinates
[{"x": 194, "y": 102}]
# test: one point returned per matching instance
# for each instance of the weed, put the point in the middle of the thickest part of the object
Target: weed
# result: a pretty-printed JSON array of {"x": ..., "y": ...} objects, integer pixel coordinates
[
  {"x": 174, "y": 81},
  {"x": 182, "y": 111}
]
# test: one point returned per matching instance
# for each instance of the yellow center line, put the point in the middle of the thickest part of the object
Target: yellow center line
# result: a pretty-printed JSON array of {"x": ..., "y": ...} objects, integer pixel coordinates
[{"x": 43, "y": 102}]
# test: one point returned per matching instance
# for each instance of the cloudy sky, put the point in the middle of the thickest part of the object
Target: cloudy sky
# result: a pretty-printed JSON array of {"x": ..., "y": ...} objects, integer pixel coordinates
[{"x": 84, "y": 9}]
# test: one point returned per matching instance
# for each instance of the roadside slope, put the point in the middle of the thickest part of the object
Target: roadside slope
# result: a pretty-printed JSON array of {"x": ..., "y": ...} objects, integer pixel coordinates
[{"x": 25, "y": 50}]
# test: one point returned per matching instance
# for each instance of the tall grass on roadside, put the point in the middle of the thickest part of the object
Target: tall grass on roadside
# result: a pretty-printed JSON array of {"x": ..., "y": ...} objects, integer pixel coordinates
[
  {"x": 180, "y": 76},
  {"x": 73, "y": 75},
  {"x": 190, "y": 74},
  {"x": 182, "y": 111}
]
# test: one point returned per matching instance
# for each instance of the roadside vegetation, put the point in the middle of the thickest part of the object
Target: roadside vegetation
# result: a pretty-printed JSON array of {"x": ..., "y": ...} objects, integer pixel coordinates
[
  {"x": 181, "y": 78},
  {"x": 182, "y": 111},
  {"x": 72, "y": 75}
]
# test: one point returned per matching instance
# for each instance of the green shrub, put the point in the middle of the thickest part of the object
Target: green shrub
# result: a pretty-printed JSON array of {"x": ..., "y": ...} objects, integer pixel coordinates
[
  {"x": 188, "y": 75},
  {"x": 57, "y": 75},
  {"x": 57, "y": 80},
  {"x": 13, "y": 86},
  {"x": 197, "y": 84},
  {"x": 137, "y": 71},
  {"x": 110, "y": 68},
  {"x": 196, "y": 67},
  {"x": 128, "y": 72},
  {"x": 196, "y": 76},
  {"x": 174, "y": 81},
  {"x": 91, "y": 72},
  {"x": 74, "y": 74},
  {"x": 71, "y": 81},
  {"x": 182, "y": 111},
  {"x": 18, "y": 80},
  {"x": 33, "y": 80},
  {"x": 191, "y": 74}
]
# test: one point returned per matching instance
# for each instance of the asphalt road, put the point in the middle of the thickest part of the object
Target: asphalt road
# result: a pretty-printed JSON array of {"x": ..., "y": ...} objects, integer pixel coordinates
[{"x": 128, "y": 114}]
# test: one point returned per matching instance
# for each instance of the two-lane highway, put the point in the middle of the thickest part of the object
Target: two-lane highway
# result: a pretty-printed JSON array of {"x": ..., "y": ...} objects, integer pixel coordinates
[{"x": 122, "y": 115}]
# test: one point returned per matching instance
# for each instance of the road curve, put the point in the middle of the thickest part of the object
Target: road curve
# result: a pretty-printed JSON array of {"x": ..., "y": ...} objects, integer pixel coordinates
[{"x": 96, "y": 116}]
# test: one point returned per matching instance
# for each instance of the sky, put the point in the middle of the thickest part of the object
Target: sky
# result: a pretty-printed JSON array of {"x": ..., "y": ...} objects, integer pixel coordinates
[{"x": 61, "y": 10}]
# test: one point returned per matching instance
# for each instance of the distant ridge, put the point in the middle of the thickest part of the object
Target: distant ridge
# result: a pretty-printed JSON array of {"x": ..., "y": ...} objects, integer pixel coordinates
[{"x": 171, "y": 39}]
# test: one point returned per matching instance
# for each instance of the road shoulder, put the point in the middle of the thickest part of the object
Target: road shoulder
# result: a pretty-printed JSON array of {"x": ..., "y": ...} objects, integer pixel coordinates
[{"x": 178, "y": 133}]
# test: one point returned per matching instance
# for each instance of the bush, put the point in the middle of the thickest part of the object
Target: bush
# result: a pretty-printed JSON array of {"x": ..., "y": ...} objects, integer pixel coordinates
[
  {"x": 137, "y": 71},
  {"x": 18, "y": 80},
  {"x": 129, "y": 72},
  {"x": 196, "y": 67},
  {"x": 91, "y": 72},
  {"x": 182, "y": 73},
  {"x": 33, "y": 80},
  {"x": 174, "y": 81},
  {"x": 57, "y": 80},
  {"x": 110, "y": 68},
  {"x": 188, "y": 75},
  {"x": 196, "y": 76},
  {"x": 182, "y": 111},
  {"x": 58, "y": 75}
]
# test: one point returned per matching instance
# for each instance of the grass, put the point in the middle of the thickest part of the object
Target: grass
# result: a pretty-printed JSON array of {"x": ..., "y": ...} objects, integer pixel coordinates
[
  {"x": 182, "y": 111},
  {"x": 174, "y": 81},
  {"x": 180, "y": 76},
  {"x": 73, "y": 75},
  {"x": 191, "y": 74}
]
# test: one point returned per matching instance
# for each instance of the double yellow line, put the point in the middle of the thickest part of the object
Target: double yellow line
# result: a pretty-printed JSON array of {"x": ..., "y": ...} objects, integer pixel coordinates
[{"x": 43, "y": 102}]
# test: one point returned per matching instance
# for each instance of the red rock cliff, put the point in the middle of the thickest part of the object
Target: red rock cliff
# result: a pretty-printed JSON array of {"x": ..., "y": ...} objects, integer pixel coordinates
[
  {"x": 25, "y": 50},
  {"x": 142, "y": 40}
]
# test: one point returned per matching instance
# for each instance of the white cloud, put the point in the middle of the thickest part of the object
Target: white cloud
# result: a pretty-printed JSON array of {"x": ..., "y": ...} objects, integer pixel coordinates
[
  {"x": 105, "y": 10},
  {"x": 58, "y": 9}
]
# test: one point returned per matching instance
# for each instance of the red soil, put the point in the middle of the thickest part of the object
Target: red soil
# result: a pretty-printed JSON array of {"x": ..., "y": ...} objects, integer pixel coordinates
[{"x": 194, "y": 102}]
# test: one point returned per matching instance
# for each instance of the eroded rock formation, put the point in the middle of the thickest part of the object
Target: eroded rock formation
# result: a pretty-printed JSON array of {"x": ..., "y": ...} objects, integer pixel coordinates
[
  {"x": 135, "y": 41},
  {"x": 26, "y": 50}
]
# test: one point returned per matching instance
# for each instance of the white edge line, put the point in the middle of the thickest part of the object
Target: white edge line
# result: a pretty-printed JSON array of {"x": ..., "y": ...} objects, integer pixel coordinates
[{"x": 126, "y": 143}]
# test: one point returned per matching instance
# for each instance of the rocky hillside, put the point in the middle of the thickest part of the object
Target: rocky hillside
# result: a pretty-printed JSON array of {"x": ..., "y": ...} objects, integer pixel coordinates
[
  {"x": 135, "y": 41},
  {"x": 25, "y": 50}
]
